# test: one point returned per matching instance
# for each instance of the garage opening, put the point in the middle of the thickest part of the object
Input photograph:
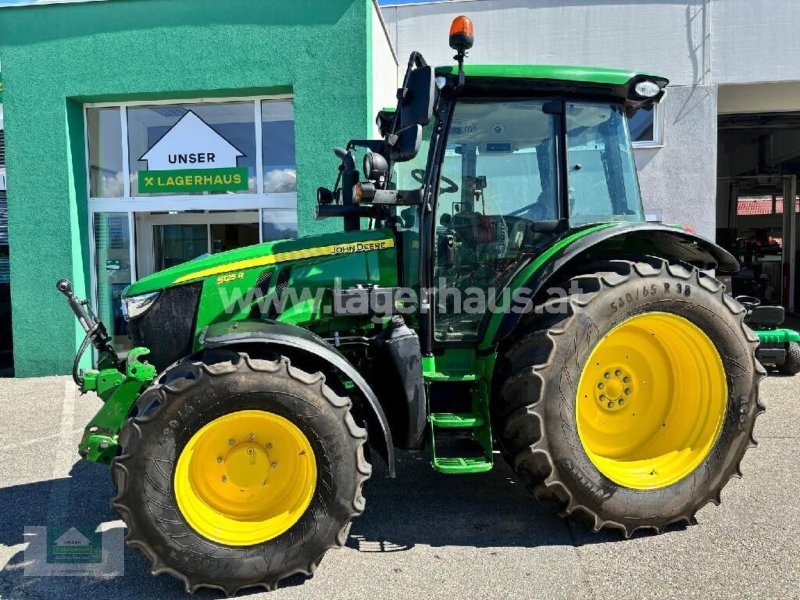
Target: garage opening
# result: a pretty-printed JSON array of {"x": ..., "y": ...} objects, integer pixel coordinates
[{"x": 757, "y": 202}]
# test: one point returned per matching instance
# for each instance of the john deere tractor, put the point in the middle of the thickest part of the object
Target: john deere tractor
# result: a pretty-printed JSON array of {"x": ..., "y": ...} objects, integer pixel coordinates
[{"x": 495, "y": 291}]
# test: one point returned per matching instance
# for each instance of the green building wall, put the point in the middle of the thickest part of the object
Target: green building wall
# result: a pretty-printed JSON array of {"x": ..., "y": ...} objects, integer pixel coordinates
[{"x": 55, "y": 58}]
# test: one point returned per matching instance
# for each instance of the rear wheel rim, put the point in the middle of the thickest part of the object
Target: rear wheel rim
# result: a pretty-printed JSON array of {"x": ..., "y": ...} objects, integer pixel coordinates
[
  {"x": 245, "y": 478},
  {"x": 651, "y": 401}
]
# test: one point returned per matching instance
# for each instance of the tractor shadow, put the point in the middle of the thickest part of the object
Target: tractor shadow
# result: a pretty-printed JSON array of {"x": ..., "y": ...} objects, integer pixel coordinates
[
  {"x": 420, "y": 506},
  {"x": 484, "y": 510},
  {"x": 82, "y": 499}
]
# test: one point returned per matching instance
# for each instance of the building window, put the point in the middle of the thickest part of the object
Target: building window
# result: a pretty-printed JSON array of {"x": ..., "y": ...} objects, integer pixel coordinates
[
  {"x": 3, "y": 219},
  {"x": 104, "y": 130},
  {"x": 126, "y": 142},
  {"x": 171, "y": 181},
  {"x": 159, "y": 139},
  {"x": 646, "y": 126},
  {"x": 277, "y": 126},
  {"x": 2, "y": 139}
]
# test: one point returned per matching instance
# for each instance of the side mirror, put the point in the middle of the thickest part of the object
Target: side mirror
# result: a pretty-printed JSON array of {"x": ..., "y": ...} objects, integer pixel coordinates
[
  {"x": 407, "y": 145},
  {"x": 416, "y": 107}
]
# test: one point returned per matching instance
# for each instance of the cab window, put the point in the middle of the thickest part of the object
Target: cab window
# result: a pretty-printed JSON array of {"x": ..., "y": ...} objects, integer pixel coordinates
[{"x": 498, "y": 177}]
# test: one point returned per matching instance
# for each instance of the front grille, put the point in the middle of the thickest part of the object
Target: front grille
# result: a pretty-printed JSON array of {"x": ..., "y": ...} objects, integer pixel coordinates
[{"x": 167, "y": 328}]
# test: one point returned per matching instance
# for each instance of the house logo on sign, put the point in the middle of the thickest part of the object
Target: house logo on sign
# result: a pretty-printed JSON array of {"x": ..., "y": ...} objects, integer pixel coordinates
[
  {"x": 73, "y": 546},
  {"x": 192, "y": 157}
]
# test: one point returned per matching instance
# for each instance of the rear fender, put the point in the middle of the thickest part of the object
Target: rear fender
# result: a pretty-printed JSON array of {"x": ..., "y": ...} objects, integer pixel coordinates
[
  {"x": 604, "y": 243},
  {"x": 285, "y": 338}
]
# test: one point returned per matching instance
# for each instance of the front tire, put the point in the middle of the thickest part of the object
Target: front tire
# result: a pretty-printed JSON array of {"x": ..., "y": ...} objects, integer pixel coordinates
[
  {"x": 631, "y": 402},
  {"x": 239, "y": 472}
]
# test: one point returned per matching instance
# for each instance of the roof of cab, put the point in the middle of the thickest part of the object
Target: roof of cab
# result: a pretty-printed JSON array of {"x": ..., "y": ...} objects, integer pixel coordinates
[{"x": 597, "y": 75}]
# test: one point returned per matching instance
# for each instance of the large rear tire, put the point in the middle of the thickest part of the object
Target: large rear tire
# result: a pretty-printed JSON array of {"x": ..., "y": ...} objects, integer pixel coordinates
[
  {"x": 631, "y": 400},
  {"x": 239, "y": 472}
]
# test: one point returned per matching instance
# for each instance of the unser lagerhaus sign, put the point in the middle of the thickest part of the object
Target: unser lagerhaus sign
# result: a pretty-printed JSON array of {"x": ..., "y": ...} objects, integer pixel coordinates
[{"x": 192, "y": 157}]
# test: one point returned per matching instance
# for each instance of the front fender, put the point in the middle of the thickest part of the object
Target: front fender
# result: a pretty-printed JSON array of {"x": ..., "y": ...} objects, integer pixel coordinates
[
  {"x": 603, "y": 242},
  {"x": 283, "y": 336}
]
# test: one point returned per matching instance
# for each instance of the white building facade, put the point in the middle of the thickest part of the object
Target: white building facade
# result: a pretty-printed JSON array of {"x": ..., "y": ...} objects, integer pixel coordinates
[{"x": 723, "y": 58}]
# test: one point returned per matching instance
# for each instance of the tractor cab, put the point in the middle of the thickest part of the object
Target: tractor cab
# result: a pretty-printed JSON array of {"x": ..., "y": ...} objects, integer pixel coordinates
[{"x": 483, "y": 167}]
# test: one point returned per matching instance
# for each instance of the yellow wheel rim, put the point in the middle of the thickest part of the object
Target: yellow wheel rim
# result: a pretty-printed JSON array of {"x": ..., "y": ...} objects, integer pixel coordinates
[
  {"x": 245, "y": 478},
  {"x": 651, "y": 401}
]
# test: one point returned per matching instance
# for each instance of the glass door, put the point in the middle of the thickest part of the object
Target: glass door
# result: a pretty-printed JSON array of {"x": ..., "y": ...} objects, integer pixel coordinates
[
  {"x": 176, "y": 244},
  {"x": 166, "y": 239},
  {"x": 114, "y": 272}
]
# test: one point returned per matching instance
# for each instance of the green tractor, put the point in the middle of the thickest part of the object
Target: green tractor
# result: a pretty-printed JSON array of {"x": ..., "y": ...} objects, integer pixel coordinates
[{"x": 495, "y": 291}]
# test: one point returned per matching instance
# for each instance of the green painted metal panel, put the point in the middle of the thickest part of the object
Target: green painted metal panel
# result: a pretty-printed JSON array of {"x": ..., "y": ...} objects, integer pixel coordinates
[{"x": 778, "y": 336}]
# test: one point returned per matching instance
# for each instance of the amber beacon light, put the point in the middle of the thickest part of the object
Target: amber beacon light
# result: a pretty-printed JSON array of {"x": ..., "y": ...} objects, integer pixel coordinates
[{"x": 462, "y": 34}]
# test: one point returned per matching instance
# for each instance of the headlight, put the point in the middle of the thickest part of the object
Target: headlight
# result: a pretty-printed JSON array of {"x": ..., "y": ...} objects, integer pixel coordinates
[
  {"x": 135, "y": 306},
  {"x": 647, "y": 89}
]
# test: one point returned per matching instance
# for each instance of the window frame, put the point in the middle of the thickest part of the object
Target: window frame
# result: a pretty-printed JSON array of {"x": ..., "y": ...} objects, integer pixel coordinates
[
  {"x": 260, "y": 201},
  {"x": 658, "y": 130}
]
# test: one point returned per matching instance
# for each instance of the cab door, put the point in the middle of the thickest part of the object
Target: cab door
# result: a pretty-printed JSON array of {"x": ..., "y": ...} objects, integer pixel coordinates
[{"x": 498, "y": 177}]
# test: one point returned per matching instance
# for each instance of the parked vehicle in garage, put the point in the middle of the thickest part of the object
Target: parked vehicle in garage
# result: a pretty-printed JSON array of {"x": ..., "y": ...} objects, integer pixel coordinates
[{"x": 780, "y": 347}]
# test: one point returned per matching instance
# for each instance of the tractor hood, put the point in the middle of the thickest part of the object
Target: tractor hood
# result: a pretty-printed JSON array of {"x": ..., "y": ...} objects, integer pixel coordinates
[{"x": 271, "y": 253}]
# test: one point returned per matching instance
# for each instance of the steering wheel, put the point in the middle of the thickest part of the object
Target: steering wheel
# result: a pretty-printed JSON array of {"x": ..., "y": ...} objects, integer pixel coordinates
[{"x": 452, "y": 186}]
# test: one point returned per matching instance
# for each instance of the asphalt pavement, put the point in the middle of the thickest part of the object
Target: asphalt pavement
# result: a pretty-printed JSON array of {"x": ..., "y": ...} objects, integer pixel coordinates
[{"x": 427, "y": 535}]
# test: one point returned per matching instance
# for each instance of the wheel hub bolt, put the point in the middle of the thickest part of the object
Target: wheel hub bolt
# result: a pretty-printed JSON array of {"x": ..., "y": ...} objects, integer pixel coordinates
[
  {"x": 600, "y": 386},
  {"x": 219, "y": 459},
  {"x": 269, "y": 446},
  {"x": 621, "y": 402},
  {"x": 274, "y": 465},
  {"x": 251, "y": 437},
  {"x": 231, "y": 442},
  {"x": 618, "y": 373},
  {"x": 224, "y": 479},
  {"x": 610, "y": 405}
]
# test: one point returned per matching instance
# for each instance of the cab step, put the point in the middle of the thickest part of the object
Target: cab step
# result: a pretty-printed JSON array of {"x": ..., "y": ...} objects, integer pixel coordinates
[
  {"x": 456, "y": 420},
  {"x": 460, "y": 432},
  {"x": 459, "y": 444},
  {"x": 458, "y": 466}
]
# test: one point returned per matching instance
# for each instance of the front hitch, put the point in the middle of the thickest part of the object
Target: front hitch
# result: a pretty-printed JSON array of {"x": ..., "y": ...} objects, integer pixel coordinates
[
  {"x": 118, "y": 382},
  {"x": 96, "y": 333}
]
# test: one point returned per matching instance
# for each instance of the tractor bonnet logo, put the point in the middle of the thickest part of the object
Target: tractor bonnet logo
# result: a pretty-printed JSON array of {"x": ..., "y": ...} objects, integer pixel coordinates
[{"x": 192, "y": 157}]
